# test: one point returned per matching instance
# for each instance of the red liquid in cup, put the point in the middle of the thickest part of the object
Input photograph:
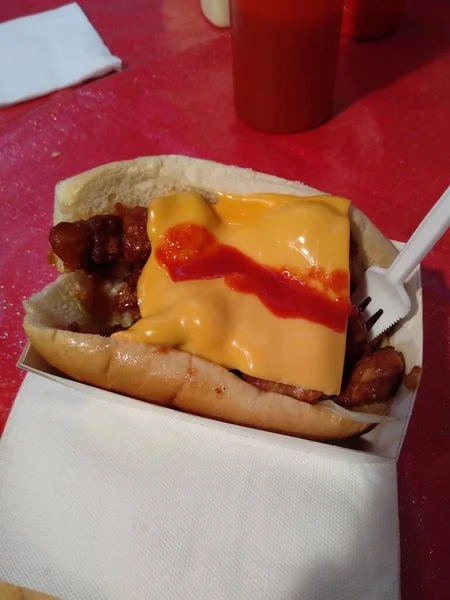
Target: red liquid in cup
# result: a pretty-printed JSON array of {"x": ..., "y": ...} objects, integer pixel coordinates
[{"x": 284, "y": 62}]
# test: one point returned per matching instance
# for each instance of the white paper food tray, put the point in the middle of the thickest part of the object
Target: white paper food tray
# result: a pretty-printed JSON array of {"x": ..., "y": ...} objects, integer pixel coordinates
[{"x": 385, "y": 440}]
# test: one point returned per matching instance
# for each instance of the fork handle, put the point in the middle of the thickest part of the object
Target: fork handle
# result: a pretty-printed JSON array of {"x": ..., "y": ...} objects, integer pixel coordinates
[{"x": 429, "y": 232}]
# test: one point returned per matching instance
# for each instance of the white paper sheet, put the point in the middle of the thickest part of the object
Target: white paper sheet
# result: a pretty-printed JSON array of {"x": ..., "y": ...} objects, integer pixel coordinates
[
  {"x": 48, "y": 51},
  {"x": 121, "y": 499}
]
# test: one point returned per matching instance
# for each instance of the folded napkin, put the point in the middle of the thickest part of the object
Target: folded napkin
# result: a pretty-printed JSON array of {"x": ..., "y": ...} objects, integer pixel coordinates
[
  {"x": 107, "y": 497},
  {"x": 48, "y": 51}
]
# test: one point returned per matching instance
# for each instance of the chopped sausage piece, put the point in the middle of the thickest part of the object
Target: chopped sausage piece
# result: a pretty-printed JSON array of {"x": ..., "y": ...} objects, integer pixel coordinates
[
  {"x": 412, "y": 379},
  {"x": 113, "y": 250},
  {"x": 102, "y": 240},
  {"x": 71, "y": 243},
  {"x": 298, "y": 393},
  {"x": 136, "y": 245},
  {"x": 106, "y": 239},
  {"x": 374, "y": 378}
]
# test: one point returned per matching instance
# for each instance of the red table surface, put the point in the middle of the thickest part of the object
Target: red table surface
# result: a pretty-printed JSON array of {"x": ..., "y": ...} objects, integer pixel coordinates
[{"x": 387, "y": 148}]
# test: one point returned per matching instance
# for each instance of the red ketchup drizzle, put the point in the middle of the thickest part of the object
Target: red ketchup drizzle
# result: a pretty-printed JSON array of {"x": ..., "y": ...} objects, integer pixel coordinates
[{"x": 189, "y": 252}]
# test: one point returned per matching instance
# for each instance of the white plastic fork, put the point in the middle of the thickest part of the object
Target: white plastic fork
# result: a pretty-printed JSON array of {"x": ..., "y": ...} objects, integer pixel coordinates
[{"x": 381, "y": 295}]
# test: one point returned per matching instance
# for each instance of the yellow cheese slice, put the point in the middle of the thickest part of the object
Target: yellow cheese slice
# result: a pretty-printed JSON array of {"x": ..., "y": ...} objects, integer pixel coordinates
[{"x": 235, "y": 329}]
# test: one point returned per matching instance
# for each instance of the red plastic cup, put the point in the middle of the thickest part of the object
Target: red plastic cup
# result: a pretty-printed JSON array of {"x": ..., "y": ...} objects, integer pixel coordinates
[
  {"x": 371, "y": 19},
  {"x": 284, "y": 62}
]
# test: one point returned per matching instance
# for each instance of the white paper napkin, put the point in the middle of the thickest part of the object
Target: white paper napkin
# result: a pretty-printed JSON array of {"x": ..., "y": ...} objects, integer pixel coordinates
[
  {"x": 118, "y": 499},
  {"x": 48, "y": 51}
]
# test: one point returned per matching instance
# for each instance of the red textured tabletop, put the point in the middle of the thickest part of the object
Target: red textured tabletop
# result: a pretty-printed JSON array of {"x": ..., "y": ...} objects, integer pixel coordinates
[{"x": 387, "y": 148}]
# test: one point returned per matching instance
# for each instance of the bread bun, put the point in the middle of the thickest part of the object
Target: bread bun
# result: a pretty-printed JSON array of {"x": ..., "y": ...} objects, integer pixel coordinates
[{"x": 167, "y": 376}]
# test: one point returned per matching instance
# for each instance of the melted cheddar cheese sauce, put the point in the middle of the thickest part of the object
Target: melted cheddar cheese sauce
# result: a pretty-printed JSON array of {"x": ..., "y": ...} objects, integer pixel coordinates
[{"x": 206, "y": 317}]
